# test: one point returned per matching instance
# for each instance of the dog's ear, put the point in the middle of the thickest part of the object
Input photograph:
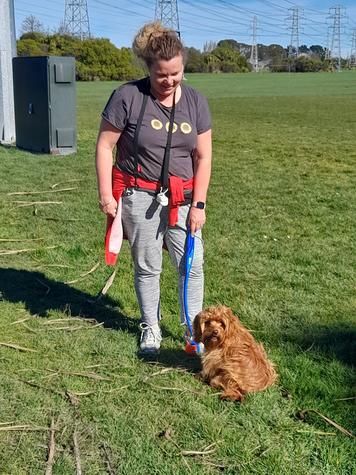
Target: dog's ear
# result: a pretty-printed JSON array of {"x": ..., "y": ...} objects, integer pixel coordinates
[
  {"x": 230, "y": 320},
  {"x": 198, "y": 327}
]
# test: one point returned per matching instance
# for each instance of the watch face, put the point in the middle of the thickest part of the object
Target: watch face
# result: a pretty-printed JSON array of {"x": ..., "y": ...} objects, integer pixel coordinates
[{"x": 200, "y": 205}]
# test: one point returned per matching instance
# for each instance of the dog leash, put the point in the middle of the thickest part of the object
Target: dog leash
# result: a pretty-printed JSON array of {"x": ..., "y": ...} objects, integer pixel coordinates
[{"x": 191, "y": 345}]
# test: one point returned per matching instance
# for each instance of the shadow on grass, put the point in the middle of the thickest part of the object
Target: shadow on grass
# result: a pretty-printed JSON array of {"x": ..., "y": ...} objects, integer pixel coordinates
[
  {"x": 179, "y": 359},
  {"x": 335, "y": 341},
  {"x": 41, "y": 295}
]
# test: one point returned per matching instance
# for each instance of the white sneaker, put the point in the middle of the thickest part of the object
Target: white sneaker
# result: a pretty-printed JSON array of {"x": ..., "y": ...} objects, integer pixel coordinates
[{"x": 151, "y": 338}]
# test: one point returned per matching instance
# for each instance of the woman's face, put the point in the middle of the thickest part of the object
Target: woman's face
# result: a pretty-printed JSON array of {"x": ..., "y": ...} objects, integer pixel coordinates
[{"x": 166, "y": 75}]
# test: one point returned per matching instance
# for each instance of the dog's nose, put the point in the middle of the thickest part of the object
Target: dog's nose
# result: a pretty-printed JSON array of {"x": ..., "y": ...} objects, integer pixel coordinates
[{"x": 215, "y": 333}]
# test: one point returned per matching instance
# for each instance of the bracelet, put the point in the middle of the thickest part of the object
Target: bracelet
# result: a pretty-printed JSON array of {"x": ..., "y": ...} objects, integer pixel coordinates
[{"x": 103, "y": 205}]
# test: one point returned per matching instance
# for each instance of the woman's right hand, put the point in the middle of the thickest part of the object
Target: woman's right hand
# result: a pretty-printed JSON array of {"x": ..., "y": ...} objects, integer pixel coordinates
[{"x": 109, "y": 207}]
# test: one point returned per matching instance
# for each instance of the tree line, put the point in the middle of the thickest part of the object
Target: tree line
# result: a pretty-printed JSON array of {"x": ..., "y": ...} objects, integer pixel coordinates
[
  {"x": 99, "y": 59},
  {"x": 96, "y": 58}
]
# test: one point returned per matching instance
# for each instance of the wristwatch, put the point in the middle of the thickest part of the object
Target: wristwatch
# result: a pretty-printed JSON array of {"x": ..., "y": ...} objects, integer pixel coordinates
[{"x": 198, "y": 204}]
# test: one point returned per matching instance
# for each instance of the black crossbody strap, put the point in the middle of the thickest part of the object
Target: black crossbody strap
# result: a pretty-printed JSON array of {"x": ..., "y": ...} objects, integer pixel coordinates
[
  {"x": 137, "y": 131},
  {"x": 165, "y": 166}
]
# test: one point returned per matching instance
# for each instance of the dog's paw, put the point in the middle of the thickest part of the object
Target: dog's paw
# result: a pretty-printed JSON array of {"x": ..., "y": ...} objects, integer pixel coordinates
[{"x": 229, "y": 395}]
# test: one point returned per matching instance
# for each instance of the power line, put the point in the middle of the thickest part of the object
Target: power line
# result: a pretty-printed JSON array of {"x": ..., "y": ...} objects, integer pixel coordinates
[
  {"x": 274, "y": 5},
  {"x": 216, "y": 14},
  {"x": 219, "y": 17},
  {"x": 31, "y": 12},
  {"x": 243, "y": 10},
  {"x": 117, "y": 7},
  {"x": 230, "y": 19}
]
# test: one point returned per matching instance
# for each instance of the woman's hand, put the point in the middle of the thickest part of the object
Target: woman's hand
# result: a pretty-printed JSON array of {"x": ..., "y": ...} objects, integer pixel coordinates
[
  {"x": 197, "y": 219},
  {"x": 109, "y": 208}
]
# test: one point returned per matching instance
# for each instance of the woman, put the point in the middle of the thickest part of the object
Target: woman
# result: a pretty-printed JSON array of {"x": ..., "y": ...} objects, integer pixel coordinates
[{"x": 162, "y": 133}]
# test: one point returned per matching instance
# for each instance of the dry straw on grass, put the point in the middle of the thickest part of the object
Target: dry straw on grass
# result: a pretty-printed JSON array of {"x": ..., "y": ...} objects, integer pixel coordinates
[
  {"x": 93, "y": 269},
  {"x": 17, "y": 347},
  {"x": 329, "y": 421},
  {"x": 22, "y": 427},
  {"x": 51, "y": 449},
  {"x": 210, "y": 449},
  {"x": 78, "y": 464},
  {"x": 18, "y": 193},
  {"x": 20, "y": 240},
  {"x": 20, "y": 251},
  {"x": 66, "y": 181},
  {"x": 21, "y": 204},
  {"x": 107, "y": 286}
]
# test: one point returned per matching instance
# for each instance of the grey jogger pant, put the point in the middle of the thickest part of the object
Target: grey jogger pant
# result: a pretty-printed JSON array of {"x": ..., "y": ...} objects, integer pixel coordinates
[{"x": 145, "y": 224}]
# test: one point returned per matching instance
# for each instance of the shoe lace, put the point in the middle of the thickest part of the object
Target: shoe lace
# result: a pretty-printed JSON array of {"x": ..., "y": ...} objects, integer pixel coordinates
[{"x": 148, "y": 334}]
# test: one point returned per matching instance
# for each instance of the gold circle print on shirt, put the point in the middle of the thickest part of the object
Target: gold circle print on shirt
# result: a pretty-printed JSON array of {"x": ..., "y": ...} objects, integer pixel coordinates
[
  {"x": 175, "y": 127},
  {"x": 185, "y": 128},
  {"x": 156, "y": 124}
]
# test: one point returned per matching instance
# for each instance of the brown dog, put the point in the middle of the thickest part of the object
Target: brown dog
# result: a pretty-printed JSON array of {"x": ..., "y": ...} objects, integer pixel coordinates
[{"x": 233, "y": 361}]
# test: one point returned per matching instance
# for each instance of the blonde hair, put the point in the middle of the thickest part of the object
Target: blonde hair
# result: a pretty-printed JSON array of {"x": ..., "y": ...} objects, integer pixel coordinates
[{"x": 154, "y": 42}]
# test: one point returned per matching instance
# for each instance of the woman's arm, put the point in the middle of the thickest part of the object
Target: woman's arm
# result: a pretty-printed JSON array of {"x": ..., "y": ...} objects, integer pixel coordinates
[
  {"x": 202, "y": 170},
  {"x": 107, "y": 139}
]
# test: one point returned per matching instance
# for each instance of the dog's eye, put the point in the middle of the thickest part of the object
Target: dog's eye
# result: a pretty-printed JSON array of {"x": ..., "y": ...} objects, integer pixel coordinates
[{"x": 223, "y": 325}]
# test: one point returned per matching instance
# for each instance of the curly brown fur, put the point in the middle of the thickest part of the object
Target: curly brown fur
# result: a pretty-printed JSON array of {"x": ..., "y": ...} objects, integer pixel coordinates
[{"x": 233, "y": 361}]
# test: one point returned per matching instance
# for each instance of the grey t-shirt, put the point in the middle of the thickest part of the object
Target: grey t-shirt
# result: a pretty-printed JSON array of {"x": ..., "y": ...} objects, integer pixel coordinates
[{"x": 192, "y": 117}]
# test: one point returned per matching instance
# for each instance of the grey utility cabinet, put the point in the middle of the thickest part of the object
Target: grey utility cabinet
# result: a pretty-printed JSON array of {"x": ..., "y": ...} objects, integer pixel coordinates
[{"x": 45, "y": 103}]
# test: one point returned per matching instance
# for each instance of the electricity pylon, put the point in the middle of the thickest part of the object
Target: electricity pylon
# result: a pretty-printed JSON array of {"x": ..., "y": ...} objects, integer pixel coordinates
[
  {"x": 167, "y": 14},
  {"x": 254, "y": 49},
  {"x": 335, "y": 48},
  {"x": 293, "y": 50},
  {"x": 353, "y": 49},
  {"x": 76, "y": 18}
]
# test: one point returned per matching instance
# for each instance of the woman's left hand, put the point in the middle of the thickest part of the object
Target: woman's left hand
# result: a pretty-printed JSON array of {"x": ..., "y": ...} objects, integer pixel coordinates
[{"x": 196, "y": 219}]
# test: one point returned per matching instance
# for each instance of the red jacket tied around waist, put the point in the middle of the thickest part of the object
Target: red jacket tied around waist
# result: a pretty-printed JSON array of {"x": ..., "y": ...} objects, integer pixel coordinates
[{"x": 121, "y": 181}]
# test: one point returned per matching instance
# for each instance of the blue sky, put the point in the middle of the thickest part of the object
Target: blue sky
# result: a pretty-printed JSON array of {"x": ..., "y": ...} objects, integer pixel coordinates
[{"x": 204, "y": 20}]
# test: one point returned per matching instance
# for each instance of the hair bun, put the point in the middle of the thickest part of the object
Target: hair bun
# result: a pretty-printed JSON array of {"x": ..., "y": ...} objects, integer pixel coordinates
[
  {"x": 155, "y": 41},
  {"x": 148, "y": 32}
]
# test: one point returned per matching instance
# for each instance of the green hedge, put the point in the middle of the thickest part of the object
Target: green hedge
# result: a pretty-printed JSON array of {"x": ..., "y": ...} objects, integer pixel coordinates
[{"x": 96, "y": 58}]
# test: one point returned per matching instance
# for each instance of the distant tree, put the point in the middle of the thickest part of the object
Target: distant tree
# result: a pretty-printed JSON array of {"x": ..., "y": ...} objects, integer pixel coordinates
[
  {"x": 32, "y": 44},
  {"x": 209, "y": 46},
  {"x": 303, "y": 49},
  {"x": 195, "y": 61},
  {"x": 29, "y": 47},
  {"x": 318, "y": 50},
  {"x": 32, "y": 24},
  {"x": 232, "y": 44},
  {"x": 63, "y": 29},
  {"x": 227, "y": 60},
  {"x": 305, "y": 64},
  {"x": 95, "y": 58},
  {"x": 274, "y": 53}
]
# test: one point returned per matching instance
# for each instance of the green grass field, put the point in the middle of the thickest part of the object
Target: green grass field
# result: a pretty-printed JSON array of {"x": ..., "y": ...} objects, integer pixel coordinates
[{"x": 280, "y": 250}]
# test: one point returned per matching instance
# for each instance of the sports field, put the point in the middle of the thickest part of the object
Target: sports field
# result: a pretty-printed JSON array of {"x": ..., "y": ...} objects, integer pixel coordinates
[{"x": 280, "y": 250}]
